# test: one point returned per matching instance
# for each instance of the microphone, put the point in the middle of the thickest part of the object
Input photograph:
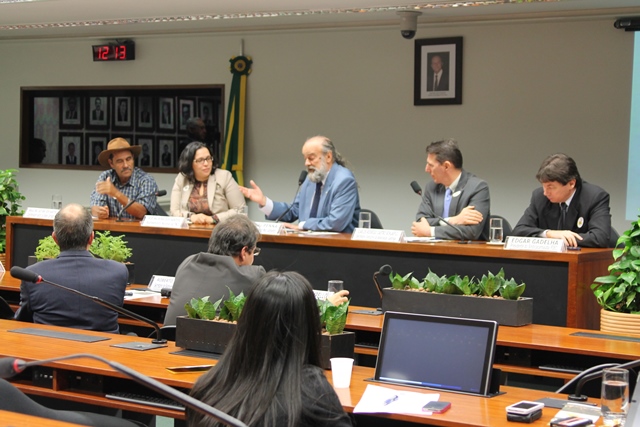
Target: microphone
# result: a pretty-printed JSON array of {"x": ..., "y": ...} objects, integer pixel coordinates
[
  {"x": 301, "y": 178},
  {"x": 416, "y": 188},
  {"x": 29, "y": 276},
  {"x": 385, "y": 270},
  {"x": 588, "y": 376},
  {"x": 12, "y": 366},
  {"x": 158, "y": 193},
  {"x": 462, "y": 239}
]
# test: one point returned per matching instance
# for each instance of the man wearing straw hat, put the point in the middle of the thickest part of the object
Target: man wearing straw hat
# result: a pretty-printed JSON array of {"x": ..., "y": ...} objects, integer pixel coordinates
[{"x": 122, "y": 184}]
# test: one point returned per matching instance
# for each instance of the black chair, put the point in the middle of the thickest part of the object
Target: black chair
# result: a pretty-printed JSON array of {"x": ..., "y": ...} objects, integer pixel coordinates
[
  {"x": 506, "y": 227},
  {"x": 613, "y": 238},
  {"x": 24, "y": 314},
  {"x": 6, "y": 312},
  {"x": 168, "y": 332},
  {"x": 375, "y": 221}
]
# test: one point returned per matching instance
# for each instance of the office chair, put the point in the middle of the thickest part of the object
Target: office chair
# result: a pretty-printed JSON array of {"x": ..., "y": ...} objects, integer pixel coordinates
[
  {"x": 6, "y": 312},
  {"x": 613, "y": 239},
  {"x": 375, "y": 221},
  {"x": 168, "y": 333},
  {"x": 506, "y": 227}
]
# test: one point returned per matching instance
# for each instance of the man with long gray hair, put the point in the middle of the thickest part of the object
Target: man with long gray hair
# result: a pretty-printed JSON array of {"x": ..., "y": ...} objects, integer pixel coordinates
[{"x": 328, "y": 199}]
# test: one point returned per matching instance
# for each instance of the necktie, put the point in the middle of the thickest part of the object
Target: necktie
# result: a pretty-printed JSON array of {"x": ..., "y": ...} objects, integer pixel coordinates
[
  {"x": 563, "y": 216},
  {"x": 316, "y": 200},
  {"x": 447, "y": 203},
  {"x": 435, "y": 82}
]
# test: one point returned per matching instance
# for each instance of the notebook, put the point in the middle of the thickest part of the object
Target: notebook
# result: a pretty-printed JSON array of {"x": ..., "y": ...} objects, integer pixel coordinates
[{"x": 445, "y": 353}]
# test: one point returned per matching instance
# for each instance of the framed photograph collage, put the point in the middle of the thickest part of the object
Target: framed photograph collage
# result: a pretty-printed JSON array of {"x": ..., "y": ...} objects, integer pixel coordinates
[{"x": 69, "y": 127}]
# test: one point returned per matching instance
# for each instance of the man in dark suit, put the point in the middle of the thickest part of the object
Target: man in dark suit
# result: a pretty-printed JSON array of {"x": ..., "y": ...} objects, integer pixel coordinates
[
  {"x": 566, "y": 207},
  {"x": 454, "y": 194},
  {"x": 98, "y": 113},
  {"x": 438, "y": 76},
  {"x": 71, "y": 158},
  {"x": 75, "y": 268},
  {"x": 328, "y": 199},
  {"x": 227, "y": 262},
  {"x": 72, "y": 111}
]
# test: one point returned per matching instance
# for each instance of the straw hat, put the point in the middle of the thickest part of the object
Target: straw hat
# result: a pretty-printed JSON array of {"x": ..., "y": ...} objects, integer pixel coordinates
[{"x": 115, "y": 145}]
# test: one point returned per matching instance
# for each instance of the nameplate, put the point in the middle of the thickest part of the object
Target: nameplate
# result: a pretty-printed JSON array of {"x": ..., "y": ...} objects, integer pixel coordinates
[
  {"x": 539, "y": 244},
  {"x": 272, "y": 228},
  {"x": 322, "y": 295},
  {"x": 161, "y": 221},
  {"x": 158, "y": 283},
  {"x": 40, "y": 213},
  {"x": 378, "y": 235}
]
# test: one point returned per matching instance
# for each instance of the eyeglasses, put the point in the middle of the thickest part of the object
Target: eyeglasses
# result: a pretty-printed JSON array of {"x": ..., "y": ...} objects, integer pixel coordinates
[
  {"x": 204, "y": 159},
  {"x": 256, "y": 251}
]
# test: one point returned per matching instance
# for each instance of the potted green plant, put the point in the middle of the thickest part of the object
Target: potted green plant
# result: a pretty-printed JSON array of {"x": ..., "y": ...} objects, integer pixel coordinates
[
  {"x": 492, "y": 297},
  {"x": 10, "y": 199},
  {"x": 115, "y": 248},
  {"x": 617, "y": 292},
  {"x": 47, "y": 249},
  {"x": 209, "y": 326}
]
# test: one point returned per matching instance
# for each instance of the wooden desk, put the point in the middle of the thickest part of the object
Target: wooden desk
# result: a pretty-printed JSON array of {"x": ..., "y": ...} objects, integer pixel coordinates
[
  {"x": 466, "y": 410},
  {"x": 13, "y": 419},
  {"x": 558, "y": 283}
]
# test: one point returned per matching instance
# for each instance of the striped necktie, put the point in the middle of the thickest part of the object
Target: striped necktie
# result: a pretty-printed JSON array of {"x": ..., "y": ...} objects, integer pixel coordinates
[{"x": 316, "y": 200}]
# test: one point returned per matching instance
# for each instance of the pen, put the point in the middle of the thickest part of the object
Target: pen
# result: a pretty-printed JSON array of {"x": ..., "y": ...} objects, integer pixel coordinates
[{"x": 389, "y": 400}]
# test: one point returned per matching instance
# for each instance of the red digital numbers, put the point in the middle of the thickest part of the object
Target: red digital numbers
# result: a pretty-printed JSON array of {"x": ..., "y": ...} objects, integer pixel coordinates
[
  {"x": 103, "y": 53},
  {"x": 114, "y": 52}
]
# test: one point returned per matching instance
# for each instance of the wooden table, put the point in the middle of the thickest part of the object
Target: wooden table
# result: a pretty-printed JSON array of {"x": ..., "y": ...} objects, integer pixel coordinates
[
  {"x": 558, "y": 283},
  {"x": 466, "y": 410},
  {"x": 13, "y": 419}
]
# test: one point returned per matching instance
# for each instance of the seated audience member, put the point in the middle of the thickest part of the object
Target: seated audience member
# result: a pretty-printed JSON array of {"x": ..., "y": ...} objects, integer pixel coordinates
[
  {"x": 270, "y": 373},
  {"x": 13, "y": 400},
  {"x": 226, "y": 265},
  {"x": 454, "y": 194},
  {"x": 201, "y": 191},
  {"x": 328, "y": 199},
  {"x": 75, "y": 268},
  {"x": 566, "y": 207},
  {"x": 122, "y": 183}
]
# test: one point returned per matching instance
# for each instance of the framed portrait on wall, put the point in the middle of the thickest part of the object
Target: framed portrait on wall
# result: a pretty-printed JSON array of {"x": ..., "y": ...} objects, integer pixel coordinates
[
  {"x": 145, "y": 159},
  {"x": 144, "y": 116},
  {"x": 186, "y": 107},
  {"x": 70, "y": 149},
  {"x": 122, "y": 112},
  {"x": 71, "y": 112},
  {"x": 206, "y": 112},
  {"x": 166, "y": 117},
  {"x": 438, "y": 71},
  {"x": 167, "y": 152},
  {"x": 98, "y": 112},
  {"x": 94, "y": 145}
]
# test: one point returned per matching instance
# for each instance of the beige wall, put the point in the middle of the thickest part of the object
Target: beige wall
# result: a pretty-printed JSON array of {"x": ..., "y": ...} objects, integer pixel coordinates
[{"x": 529, "y": 89}]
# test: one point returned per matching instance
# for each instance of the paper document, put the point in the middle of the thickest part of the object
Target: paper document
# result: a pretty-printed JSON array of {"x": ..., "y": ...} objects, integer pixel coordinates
[
  {"x": 135, "y": 294},
  {"x": 377, "y": 399},
  {"x": 423, "y": 240}
]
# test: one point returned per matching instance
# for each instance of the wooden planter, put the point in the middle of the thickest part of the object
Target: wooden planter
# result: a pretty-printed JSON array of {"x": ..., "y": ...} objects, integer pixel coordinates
[
  {"x": 505, "y": 312},
  {"x": 620, "y": 323},
  {"x": 212, "y": 337}
]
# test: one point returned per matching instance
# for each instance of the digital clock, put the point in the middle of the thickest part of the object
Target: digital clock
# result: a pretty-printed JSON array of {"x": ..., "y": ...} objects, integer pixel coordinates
[{"x": 125, "y": 51}]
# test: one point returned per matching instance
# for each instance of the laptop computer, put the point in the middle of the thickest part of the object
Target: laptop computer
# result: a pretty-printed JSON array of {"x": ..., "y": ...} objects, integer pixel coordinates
[{"x": 445, "y": 353}]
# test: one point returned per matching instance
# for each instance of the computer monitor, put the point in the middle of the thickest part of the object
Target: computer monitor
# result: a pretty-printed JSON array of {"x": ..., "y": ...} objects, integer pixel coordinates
[{"x": 446, "y": 353}]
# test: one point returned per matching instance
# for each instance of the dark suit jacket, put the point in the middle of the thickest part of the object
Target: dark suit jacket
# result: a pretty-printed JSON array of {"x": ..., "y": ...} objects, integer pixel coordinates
[
  {"x": 78, "y": 270},
  {"x": 97, "y": 115},
  {"x": 206, "y": 274},
  {"x": 589, "y": 208},
  {"x": 443, "y": 83},
  {"x": 471, "y": 191},
  {"x": 339, "y": 206},
  {"x": 71, "y": 161}
]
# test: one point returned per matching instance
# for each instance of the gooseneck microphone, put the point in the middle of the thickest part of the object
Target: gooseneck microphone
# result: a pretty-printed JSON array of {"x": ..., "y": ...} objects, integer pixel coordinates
[
  {"x": 301, "y": 178},
  {"x": 32, "y": 277},
  {"x": 586, "y": 377},
  {"x": 385, "y": 271},
  {"x": 158, "y": 193},
  {"x": 461, "y": 234},
  {"x": 11, "y": 366},
  {"x": 416, "y": 188}
]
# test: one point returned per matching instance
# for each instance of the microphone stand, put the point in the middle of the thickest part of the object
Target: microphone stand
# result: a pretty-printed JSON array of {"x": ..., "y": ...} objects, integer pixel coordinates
[
  {"x": 132, "y": 201},
  {"x": 577, "y": 394},
  {"x": 155, "y": 385},
  {"x": 300, "y": 181},
  {"x": 24, "y": 274}
]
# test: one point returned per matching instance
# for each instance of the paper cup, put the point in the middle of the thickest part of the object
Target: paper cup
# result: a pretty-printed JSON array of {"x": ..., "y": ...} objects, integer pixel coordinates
[{"x": 341, "y": 371}]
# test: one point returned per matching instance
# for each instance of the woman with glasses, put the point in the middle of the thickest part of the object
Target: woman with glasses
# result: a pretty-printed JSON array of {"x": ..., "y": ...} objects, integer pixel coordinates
[{"x": 202, "y": 192}]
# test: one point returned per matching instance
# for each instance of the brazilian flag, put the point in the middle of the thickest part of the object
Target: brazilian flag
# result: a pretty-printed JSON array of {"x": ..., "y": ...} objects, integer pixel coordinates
[{"x": 234, "y": 138}]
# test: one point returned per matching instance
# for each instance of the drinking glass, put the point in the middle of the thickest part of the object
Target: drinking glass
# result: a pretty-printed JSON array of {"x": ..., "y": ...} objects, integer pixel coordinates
[
  {"x": 364, "y": 221},
  {"x": 495, "y": 228},
  {"x": 335, "y": 286},
  {"x": 56, "y": 201},
  {"x": 615, "y": 396}
]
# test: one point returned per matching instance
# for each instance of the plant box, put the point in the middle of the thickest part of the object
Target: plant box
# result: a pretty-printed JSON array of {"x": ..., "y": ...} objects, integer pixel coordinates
[
  {"x": 212, "y": 337},
  {"x": 505, "y": 312}
]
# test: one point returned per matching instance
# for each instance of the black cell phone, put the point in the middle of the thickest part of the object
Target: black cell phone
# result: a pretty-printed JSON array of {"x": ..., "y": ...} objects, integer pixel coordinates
[
  {"x": 574, "y": 248},
  {"x": 436, "y": 406}
]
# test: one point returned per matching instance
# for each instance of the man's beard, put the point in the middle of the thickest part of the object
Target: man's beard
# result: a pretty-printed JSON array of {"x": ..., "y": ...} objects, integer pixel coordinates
[{"x": 318, "y": 175}]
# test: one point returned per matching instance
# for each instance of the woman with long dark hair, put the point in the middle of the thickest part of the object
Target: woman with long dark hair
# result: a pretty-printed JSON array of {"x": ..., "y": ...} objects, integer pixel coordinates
[
  {"x": 270, "y": 373},
  {"x": 201, "y": 191}
]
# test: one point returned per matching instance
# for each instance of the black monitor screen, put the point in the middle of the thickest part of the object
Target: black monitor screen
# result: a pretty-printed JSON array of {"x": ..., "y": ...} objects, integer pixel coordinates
[{"x": 446, "y": 353}]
